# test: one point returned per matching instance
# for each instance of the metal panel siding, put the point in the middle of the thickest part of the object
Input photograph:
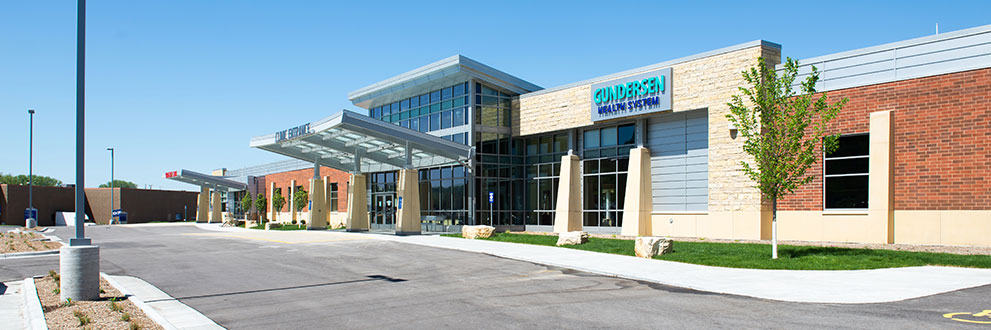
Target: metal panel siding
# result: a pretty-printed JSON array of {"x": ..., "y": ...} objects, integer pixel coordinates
[
  {"x": 921, "y": 57},
  {"x": 679, "y": 160}
]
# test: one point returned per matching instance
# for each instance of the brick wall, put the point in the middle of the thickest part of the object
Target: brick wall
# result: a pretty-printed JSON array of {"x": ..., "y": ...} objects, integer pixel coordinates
[
  {"x": 942, "y": 140},
  {"x": 302, "y": 177}
]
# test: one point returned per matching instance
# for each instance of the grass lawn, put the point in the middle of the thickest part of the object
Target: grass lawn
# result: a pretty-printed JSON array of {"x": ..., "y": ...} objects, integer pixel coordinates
[
  {"x": 749, "y": 255},
  {"x": 281, "y": 227}
]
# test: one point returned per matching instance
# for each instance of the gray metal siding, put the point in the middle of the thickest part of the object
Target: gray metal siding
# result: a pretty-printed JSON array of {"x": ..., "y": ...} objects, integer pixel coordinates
[
  {"x": 679, "y": 160},
  {"x": 920, "y": 57}
]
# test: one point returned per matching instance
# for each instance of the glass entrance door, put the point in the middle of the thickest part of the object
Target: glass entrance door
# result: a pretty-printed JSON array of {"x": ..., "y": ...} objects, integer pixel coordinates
[{"x": 383, "y": 212}]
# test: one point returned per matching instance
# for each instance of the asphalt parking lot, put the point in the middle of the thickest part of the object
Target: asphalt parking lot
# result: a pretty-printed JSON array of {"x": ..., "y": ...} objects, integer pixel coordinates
[{"x": 262, "y": 282}]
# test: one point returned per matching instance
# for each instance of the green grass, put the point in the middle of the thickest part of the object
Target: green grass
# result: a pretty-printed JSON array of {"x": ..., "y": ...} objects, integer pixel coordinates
[
  {"x": 751, "y": 255},
  {"x": 281, "y": 227}
]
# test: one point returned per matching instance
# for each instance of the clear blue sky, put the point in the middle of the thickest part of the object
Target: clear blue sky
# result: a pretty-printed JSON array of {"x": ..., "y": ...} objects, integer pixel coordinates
[{"x": 186, "y": 84}]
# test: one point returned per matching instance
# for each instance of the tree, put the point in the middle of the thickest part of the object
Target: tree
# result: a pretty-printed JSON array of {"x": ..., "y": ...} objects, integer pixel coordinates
[
  {"x": 119, "y": 184},
  {"x": 39, "y": 180},
  {"x": 277, "y": 202},
  {"x": 299, "y": 199},
  {"x": 246, "y": 205},
  {"x": 261, "y": 205},
  {"x": 783, "y": 131}
]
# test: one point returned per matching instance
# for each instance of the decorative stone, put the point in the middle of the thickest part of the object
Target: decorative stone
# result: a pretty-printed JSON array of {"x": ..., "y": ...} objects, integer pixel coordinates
[
  {"x": 268, "y": 225},
  {"x": 473, "y": 232},
  {"x": 650, "y": 246},
  {"x": 572, "y": 238}
]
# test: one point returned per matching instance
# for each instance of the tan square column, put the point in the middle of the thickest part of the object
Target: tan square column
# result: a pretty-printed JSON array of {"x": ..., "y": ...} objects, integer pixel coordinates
[
  {"x": 318, "y": 205},
  {"x": 880, "y": 201},
  {"x": 271, "y": 194},
  {"x": 637, "y": 205},
  {"x": 215, "y": 214},
  {"x": 292, "y": 205},
  {"x": 568, "y": 211},
  {"x": 357, "y": 219},
  {"x": 408, "y": 191},
  {"x": 203, "y": 205}
]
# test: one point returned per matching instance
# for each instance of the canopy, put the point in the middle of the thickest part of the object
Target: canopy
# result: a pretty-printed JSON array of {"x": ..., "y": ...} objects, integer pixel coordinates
[
  {"x": 206, "y": 180},
  {"x": 349, "y": 141}
]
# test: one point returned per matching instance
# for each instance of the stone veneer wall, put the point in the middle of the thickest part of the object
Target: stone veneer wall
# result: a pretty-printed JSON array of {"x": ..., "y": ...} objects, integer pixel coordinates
[{"x": 735, "y": 208}]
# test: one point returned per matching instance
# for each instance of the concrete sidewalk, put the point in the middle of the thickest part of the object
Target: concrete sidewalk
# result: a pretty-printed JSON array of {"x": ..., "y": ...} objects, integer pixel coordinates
[
  {"x": 814, "y": 286},
  {"x": 12, "y": 305}
]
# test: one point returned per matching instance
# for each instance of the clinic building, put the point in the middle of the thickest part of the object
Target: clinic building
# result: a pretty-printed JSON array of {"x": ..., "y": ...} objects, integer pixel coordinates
[{"x": 649, "y": 151}]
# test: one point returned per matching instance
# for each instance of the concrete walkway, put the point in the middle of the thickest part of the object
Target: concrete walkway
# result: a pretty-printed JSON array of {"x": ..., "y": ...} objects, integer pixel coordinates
[
  {"x": 12, "y": 306},
  {"x": 159, "y": 306},
  {"x": 814, "y": 286}
]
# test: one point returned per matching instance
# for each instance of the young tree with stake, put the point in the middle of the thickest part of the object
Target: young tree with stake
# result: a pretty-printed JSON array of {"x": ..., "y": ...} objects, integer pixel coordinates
[{"x": 783, "y": 131}]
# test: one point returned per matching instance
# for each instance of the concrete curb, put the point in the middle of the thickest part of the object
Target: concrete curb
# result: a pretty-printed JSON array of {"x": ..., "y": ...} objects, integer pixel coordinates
[
  {"x": 28, "y": 254},
  {"x": 159, "y": 306},
  {"x": 33, "y": 314}
]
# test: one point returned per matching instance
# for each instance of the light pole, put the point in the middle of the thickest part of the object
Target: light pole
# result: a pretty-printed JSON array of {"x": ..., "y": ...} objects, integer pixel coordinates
[
  {"x": 31, "y": 168},
  {"x": 79, "y": 262},
  {"x": 111, "y": 186}
]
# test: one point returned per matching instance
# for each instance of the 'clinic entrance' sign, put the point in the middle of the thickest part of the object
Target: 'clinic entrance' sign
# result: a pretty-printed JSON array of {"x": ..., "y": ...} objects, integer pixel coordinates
[{"x": 643, "y": 93}]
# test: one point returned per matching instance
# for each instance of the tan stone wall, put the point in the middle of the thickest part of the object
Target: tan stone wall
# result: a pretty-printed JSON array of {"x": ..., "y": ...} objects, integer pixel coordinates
[{"x": 735, "y": 208}]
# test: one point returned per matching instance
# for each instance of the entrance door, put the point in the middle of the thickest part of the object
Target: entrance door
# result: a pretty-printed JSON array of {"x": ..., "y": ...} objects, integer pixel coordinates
[{"x": 383, "y": 213}]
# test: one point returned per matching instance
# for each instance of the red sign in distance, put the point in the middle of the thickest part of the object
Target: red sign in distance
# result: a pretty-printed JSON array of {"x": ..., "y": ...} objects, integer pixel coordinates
[{"x": 171, "y": 174}]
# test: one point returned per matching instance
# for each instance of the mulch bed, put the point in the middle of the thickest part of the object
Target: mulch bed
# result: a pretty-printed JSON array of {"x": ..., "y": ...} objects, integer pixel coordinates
[
  {"x": 965, "y": 250},
  {"x": 17, "y": 241},
  {"x": 100, "y": 315}
]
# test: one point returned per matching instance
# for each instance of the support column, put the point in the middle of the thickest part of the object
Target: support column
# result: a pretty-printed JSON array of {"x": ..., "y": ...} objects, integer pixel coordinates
[
  {"x": 568, "y": 211},
  {"x": 203, "y": 205},
  {"x": 215, "y": 214},
  {"x": 357, "y": 219},
  {"x": 318, "y": 208},
  {"x": 271, "y": 194},
  {"x": 880, "y": 201},
  {"x": 408, "y": 190},
  {"x": 636, "y": 205},
  {"x": 289, "y": 199}
]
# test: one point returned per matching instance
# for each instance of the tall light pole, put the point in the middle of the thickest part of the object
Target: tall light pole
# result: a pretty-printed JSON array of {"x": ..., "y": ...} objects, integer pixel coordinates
[
  {"x": 31, "y": 170},
  {"x": 111, "y": 186},
  {"x": 79, "y": 262}
]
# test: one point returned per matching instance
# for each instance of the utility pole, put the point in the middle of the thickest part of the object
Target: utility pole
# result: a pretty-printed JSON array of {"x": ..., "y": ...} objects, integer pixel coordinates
[
  {"x": 111, "y": 186},
  {"x": 32, "y": 220}
]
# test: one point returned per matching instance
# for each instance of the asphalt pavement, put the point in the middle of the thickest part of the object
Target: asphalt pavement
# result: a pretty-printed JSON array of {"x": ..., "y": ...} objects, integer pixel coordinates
[{"x": 251, "y": 283}]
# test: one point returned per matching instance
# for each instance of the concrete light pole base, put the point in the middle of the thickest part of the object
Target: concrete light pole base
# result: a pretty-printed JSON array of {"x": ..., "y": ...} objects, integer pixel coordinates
[{"x": 79, "y": 268}]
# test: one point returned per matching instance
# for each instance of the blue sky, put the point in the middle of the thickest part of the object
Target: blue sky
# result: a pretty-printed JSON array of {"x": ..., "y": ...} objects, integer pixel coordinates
[{"x": 186, "y": 84}]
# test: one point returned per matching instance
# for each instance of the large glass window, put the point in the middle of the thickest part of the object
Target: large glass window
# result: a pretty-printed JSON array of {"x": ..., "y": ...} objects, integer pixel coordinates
[
  {"x": 333, "y": 197},
  {"x": 846, "y": 173},
  {"x": 604, "y": 170},
  {"x": 418, "y": 109}
]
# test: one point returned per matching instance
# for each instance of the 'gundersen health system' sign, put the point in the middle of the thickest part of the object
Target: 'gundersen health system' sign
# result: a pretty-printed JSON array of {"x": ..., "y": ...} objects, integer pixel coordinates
[{"x": 643, "y": 93}]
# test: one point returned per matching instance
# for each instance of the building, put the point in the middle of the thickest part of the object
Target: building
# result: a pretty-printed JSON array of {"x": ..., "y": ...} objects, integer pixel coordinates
[
  {"x": 649, "y": 151},
  {"x": 141, "y": 205}
]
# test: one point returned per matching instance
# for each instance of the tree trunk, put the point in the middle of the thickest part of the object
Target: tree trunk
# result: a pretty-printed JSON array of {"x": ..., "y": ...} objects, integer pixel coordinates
[{"x": 774, "y": 227}]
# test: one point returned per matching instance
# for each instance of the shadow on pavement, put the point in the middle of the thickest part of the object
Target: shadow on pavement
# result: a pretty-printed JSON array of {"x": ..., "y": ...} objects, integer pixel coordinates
[{"x": 368, "y": 279}]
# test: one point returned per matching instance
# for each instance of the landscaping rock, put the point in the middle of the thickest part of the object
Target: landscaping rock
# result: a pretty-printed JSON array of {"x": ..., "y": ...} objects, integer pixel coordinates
[
  {"x": 572, "y": 238},
  {"x": 650, "y": 246},
  {"x": 268, "y": 226},
  {"x": 473, "y": 232}
]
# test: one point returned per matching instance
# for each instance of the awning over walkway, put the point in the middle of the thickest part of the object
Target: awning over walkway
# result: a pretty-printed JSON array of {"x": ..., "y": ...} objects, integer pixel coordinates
[
  {"x": 206, "y": 180},
  {"x": 346, "y": 139}
]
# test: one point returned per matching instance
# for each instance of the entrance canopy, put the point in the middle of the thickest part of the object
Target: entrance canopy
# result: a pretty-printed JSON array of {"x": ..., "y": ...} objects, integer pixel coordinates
[
  {"x": 349, "y": 141},
  {"x": 206, "y": 180}
]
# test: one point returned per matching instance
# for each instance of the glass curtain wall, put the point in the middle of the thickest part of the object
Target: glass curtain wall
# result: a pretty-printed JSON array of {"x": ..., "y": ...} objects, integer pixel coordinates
[
  {"x": 606, "y": 151},
  {"x": 498, "y": 169},
  {"x": 438, "y": 109},
  {"x": 443, "y": 194},
  {"x": 543, "y": 166}
]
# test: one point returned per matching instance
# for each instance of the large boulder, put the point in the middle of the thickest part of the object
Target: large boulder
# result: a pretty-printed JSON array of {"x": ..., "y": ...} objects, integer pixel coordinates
[
  {"x": 650, "y": 246},
  {"x": 473, "y": 232},
  {"x": 572, "y": 238}
]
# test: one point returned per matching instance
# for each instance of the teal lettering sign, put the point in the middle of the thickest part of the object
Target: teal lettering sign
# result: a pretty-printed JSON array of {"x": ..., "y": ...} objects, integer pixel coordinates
[
  {"x": 640, "y": 94},
  {"x": 291, "y": 133}
]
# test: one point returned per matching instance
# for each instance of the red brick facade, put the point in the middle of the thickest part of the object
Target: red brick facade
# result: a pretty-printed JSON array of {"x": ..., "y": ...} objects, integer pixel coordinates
[
  {"x": 942, "y": 140},
  {"x": 302, "y": 177}
]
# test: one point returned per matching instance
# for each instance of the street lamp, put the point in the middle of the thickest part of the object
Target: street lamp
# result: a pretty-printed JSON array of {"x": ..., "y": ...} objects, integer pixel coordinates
[
  {"x": 111, "y": 186},
  {"x": 32, "y": 220}
]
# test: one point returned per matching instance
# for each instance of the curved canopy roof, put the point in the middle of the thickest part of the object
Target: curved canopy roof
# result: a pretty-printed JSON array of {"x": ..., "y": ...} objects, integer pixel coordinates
[{"x": 348, "y": 139}]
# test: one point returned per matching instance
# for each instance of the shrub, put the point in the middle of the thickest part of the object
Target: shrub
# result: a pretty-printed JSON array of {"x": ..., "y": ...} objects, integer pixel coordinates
[
  {"x": 126, "y": 317},
  {"x": 134, "y": 326},
  {"x": 83, "y": 319},
  {"x": 114, "y": 306}
]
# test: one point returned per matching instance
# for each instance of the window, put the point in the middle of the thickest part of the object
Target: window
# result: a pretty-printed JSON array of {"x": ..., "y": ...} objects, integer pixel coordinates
[
  {"x": 333, "y": 197},
  {"x": 846, "y": 173}
]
